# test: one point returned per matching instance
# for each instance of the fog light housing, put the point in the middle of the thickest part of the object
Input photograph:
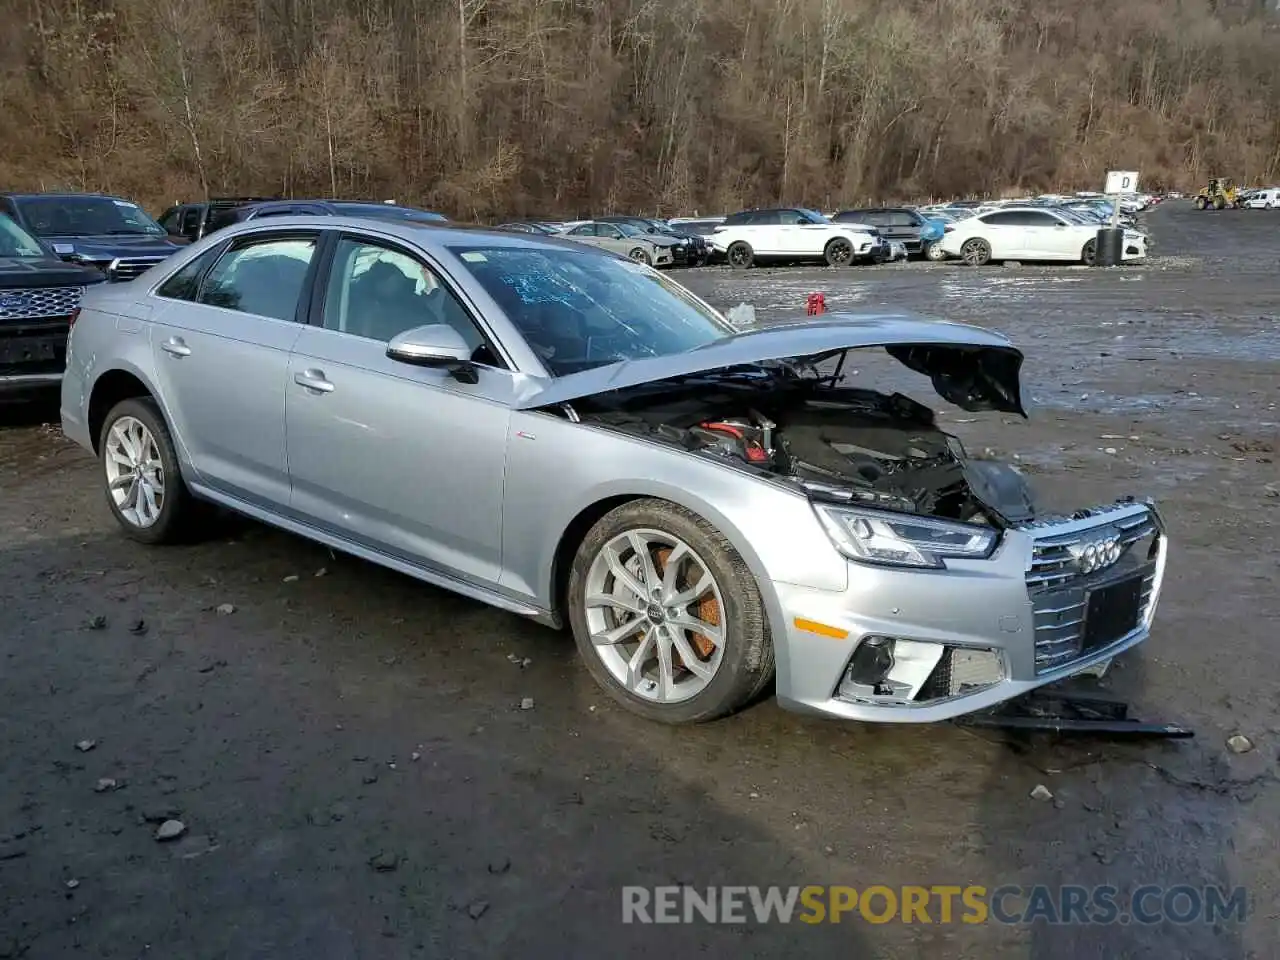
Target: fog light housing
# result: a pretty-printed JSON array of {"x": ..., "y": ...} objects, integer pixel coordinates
[{"x": 871, "y": 661}]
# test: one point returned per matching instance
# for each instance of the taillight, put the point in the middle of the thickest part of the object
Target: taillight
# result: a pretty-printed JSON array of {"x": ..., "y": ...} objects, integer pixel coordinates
[{"x": 948, "y": 227}]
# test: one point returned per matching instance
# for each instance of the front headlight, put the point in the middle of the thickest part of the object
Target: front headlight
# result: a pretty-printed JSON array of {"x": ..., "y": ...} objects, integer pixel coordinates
[{"x": 902, "y": 540}]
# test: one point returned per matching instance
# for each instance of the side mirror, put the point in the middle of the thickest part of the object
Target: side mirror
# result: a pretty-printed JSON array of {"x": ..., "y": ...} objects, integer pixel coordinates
[{"x": 435, "y": 345}]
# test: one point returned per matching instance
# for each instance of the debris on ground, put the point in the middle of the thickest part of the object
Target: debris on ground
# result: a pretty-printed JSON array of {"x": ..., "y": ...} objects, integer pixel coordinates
[
  {"x": 526, "y": 703},
  {"x": 500, "y": 866},
  {"x": 84, "y": 746},
  {"x": 1239, "y": 744},
  {"x": 478, "y": 909},
  {"x": 291, "y": 578},
  {"x": 72, "y": 884},
  {"x": 384, "y": 862},
  {"x": 97, "y": 623},
  {"x": 1041, "y": 793},
  {"x": 170, "y": 830},
  {"x": 225, "y": 609},
  {"x": 138, "y": 627},
  {"x": 104, "y": 785}
]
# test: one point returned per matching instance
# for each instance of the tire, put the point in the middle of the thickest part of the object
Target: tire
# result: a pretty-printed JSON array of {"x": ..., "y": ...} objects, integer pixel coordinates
[
  {"x": 934, "y": 252},
  {"x": 1201, "y": 203},
  {"x": 640, "y": 255},
  {"x": 838, "y": 252},
  {"x": 176, "y": 516},
  {"x": 1089, "y": 255},
  {"x": 740, "y": 255},
  {"x": 1219, "y": 203},
  {"x": 976, "y": 252},
  {"x": 740, "y": 664}
]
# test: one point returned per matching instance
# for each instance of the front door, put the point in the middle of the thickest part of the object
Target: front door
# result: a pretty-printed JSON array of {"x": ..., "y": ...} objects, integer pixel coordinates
[
  {"x": 221, "y": 345},
  {"x": 404, "y": 459}
]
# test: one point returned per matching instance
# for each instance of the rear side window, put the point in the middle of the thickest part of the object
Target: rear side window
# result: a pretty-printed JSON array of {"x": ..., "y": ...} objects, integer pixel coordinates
[
  {"x": 1001, "y": 219},
  {"x": 185, "y": 284},
  {"x": 265, "y": 278}
]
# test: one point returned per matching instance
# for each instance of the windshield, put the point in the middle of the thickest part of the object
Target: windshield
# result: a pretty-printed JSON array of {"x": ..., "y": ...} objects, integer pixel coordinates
[
  {"x": 584, "y": 310},
  {"x": 1066, "y": 213},
  {"x": 86, "y": 217},
  {"x": 16, "y": 242},
  {"x": 812, "y": 216}
]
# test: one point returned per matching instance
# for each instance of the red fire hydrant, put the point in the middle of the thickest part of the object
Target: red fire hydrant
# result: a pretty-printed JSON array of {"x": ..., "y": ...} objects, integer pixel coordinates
[{"x": 816, "y": 304}]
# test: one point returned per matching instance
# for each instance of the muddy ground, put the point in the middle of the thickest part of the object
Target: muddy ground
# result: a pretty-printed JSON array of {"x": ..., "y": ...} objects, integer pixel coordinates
[{"x": 357, "y": 779}]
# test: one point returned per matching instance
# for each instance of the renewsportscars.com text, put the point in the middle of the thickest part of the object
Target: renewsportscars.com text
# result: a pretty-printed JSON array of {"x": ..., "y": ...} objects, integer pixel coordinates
[{"x": 938, "y": 904}]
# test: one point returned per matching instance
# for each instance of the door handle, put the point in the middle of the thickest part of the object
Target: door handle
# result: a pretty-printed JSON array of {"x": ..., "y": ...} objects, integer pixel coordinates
[
  {"x": 313, "y": 380},
  {"x": 176, "y": 347}
]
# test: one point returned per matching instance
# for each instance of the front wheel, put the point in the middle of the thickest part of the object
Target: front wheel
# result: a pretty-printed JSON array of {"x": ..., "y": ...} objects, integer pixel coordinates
[
  {"x": 640, "y": 255},
  {"x": 976, "y": 252},
  {"x": 933, "y": 251},
  {"x": 838, "y": 252},
  {"x": 1201, "y": 203},
  {"x": 666, "y": 615},
  {"x": 144, "y": 487},
  {"x": 740, "y": 255}
]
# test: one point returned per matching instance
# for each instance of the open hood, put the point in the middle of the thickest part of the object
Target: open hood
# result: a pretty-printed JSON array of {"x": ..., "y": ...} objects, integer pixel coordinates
[{"x": 973, "y": 368}]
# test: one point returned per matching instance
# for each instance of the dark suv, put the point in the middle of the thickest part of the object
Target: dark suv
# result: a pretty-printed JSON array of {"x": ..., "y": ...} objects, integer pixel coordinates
[
  {"x": 192, "y": 220},
  {"x": 903, "y": 224},
  {"x": 223, "y": 213},
  {"x": 39, "y": 295},
  {"x": 113, "y": 235}
]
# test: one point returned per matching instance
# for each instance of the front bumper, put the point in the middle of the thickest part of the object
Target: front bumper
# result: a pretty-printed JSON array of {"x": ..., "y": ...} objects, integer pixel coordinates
[{"x": 975, "y": 634}]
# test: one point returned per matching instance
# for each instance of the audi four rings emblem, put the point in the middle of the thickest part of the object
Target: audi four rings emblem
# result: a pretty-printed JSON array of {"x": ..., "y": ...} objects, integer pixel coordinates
[{"x": 1097, "y": 554}]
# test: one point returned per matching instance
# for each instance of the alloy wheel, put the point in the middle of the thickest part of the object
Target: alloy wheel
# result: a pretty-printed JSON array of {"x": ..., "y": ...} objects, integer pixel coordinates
[
  {"x": 975, "y": 252},
  {"x": 135, "y": 473},
  {"x": 655, "y": 615}
]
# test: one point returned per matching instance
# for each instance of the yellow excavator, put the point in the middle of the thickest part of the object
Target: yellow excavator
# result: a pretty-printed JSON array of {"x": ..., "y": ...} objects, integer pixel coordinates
[{"x": 1219, "y": 194}]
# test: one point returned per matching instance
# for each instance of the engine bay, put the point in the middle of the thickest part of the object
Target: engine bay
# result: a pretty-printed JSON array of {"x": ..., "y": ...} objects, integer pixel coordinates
[{"x": 839, "y": 444}]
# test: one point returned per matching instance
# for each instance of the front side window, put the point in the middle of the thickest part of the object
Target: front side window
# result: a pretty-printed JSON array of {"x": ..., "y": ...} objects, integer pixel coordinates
[
  {"x": 585, "y": 230},
  {"x": 16, "y": 242},
  {"x": 378, "y": 292},
  {"x": 87, "y": 216},
  {"x": 185, "y": 284},
  {"x": 263, "y": 277},
  {"x": 579, "y": 310}
]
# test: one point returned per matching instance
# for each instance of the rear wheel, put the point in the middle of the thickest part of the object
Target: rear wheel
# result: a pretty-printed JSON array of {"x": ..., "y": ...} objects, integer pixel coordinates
[
  {"x": 740, "y": 255},
  {"x": 1219, "y": 203},
  {"x": 976, "y": 252},
  {"x": 667, "y": 616},
  {"x": 1089, "y": 255},
  {"x": 933, "y": 251},
  {"x": 838, "y": 252},
  {"x": 144, "y": 487},
  {"x": 1201, "y": 203},
  {"x": 640, "y": 255}
]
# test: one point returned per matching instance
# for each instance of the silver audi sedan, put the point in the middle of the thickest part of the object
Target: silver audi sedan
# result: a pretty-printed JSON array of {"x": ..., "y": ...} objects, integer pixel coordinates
[{"x": 576, "y": 438}]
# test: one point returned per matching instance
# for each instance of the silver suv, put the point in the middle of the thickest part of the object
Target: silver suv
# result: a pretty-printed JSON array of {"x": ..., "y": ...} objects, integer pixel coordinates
[{"x": 574, "y": 437}]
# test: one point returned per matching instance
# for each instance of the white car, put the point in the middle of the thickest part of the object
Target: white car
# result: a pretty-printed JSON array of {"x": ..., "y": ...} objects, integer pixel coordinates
[
  {"x": 1267, "y": 199},
  {"x": 794, "y": 233},
  {"x": 1031, "y": 233}
]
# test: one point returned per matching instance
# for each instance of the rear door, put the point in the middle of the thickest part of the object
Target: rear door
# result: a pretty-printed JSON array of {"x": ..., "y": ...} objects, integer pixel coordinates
[
  {"x": 221, "y": 340},
  {"x": 1048, "y": 237},
  {"x": 1004, "y": 232}
]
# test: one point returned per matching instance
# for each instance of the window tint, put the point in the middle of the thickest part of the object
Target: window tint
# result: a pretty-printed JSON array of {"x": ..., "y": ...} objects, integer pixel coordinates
[
  {"x": 169, "y": 219},
  {"x": 611, "y": 231},
  {"x": 585, "y": 230},
  {"x": 377, "y": 292},
  {"x": 1036, "y": 218},
  {"x": 185, "y": 284},
  {"x": 1000, "y": 219},
  {"x": 264, "y": 277},
  {"x": 191, "y": 221}
]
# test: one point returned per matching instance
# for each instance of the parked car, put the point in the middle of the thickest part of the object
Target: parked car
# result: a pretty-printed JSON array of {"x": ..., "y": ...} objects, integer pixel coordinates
[
  {"x": 530, "y": 226},
  {"x": 910, "y": 227},
  {"x": 192, "y": 220},
  {"x": 795, "y": 234},
  {"x": 631, "y": 242},
  {"x": 720, "y": 504},
  {"x": 110, "y": 234},
  {"x": 690, "y": 248},
  {"x": 228, "y": 214},
  {"x": 1031, "y": 233},
  {"x": 39, "y": 295},
  {"x": 1267, "y": 199},
  {"x": 702, "y": 226}
]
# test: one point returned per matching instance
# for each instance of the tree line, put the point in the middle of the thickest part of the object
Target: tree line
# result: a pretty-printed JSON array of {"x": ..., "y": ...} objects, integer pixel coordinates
[{"x": 490, "y": 108}]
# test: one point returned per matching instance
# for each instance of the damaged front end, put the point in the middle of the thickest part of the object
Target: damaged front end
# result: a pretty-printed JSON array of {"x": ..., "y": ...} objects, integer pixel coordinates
[{"x": 840, "y": 445}]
